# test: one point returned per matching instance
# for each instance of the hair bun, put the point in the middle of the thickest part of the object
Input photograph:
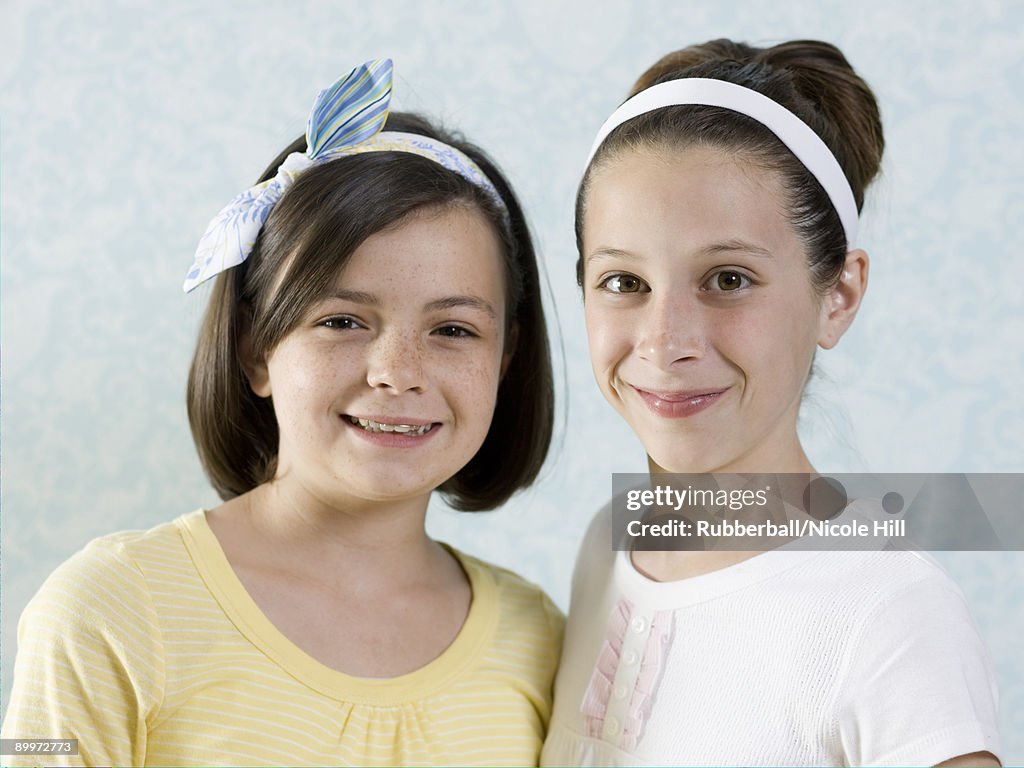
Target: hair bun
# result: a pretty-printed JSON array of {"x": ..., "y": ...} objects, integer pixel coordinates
[
  {"x": 849, "y": 111},
  {"x": 826, "y": 93}
]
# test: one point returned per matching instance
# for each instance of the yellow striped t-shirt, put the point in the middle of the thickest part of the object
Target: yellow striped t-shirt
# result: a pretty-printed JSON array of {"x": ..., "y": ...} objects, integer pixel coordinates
[{"x": 146, "y": 648}]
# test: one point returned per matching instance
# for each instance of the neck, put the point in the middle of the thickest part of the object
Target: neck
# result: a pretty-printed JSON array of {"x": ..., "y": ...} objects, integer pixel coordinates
[
  {"x": 295, "y": 515},
  {"x": 675, "y": 565},
  {"x": 362, "y": 545}
]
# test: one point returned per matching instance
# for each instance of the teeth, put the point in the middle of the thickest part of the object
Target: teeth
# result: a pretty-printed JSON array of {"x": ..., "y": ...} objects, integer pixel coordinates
[{"x": 406, "y": 429}]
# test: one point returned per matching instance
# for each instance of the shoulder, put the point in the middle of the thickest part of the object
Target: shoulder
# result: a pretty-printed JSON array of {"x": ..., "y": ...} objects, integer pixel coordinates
[
  {"x": 515, "y": 592},
  {"x": 599, "y": 532},
  {"x": 522, "y": 606},
  {"x": 908, "y": 594},
  {"x": 104, "y": 588},
  {"x": 518, "y": 636},
  {"x": 595, "y": 557},
  {"x": 864, "y": 581},
  {"x": 918, "y": 574},
  {"x": 875, "y": 581},
  {"x": 117, "y": 559},
  {"x": 867, "y": 601},
  {"x": 91, "y": 661},
  {"x": 918, "y": 677}
]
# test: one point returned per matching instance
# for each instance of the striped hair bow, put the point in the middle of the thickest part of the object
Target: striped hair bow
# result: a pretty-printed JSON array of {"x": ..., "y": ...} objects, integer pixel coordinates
[
  {"x": 349, "y": 112},
  {"x": 346, "y": 119}
]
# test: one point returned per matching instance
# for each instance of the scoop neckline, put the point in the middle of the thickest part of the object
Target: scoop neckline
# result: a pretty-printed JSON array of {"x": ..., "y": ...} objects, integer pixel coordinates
[
  {"x": 256, "y": 627},
  {"x": 705, "y": 586},
  {"x": 715, "y": 584}
]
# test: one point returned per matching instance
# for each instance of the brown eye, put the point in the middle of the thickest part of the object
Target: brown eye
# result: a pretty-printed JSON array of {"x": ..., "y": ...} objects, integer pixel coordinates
[
  {"x": 341, "y": 323},
  {"x": 624, "y": 284},
  {"x": 454, "y": 332},
  {"x": 729, "y": 281}
]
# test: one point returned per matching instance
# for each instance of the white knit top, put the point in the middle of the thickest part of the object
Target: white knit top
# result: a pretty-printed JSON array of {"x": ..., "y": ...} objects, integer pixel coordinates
[{"x": 789, "y": 658}]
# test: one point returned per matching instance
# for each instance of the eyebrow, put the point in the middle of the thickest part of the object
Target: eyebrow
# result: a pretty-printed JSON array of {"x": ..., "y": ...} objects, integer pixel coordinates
[
  {"x": 471, "y": 302},
  {"x": 610, "y": 253},
  {"x": 357, "y": 297},
  {"x": 732, "y": 246},
  {"x": 448, "y": 302},
  {"x": 726, "y": 246}
]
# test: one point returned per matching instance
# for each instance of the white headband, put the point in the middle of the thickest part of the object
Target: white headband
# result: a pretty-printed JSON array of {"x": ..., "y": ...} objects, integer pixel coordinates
[{"x": 801, "y": 140}]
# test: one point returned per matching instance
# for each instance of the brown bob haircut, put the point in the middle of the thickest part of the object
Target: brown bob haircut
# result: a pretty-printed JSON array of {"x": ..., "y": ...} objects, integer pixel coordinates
[
  {"x": 814, "y": 81},
  {"x": 307, "y": 239}
]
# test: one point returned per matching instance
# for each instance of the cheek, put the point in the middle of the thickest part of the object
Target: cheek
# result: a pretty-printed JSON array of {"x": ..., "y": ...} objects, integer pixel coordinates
[
  {"x": 306, "y": 385},
  {"x": 481, "y": 386},
  {"x": 773, "y": 346},
  {"x": 300, "y": 374},
  {"x": 804, "y": 327},
  {"x": 606, "y": 337},
  {"x": 473, "y": 386}
]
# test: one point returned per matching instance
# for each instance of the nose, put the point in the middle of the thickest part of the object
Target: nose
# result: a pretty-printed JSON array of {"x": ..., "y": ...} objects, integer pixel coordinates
[
  {"x": 671, "y": 331},
  {"x": 395, "y": 362}
]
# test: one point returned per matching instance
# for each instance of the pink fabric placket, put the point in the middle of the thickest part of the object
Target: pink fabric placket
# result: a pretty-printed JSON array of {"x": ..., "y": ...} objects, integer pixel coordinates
[{"x": 629, "y": 668}]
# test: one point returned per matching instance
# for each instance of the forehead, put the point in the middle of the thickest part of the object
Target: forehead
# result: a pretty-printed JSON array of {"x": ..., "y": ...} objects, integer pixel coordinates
[
  {"x": 457, "y": 240},
  {"x": 652, "y": 199}
]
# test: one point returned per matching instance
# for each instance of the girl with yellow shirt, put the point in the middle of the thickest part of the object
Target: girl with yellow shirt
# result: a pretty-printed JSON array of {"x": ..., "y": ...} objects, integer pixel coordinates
[{"x": 374, "y": 333}]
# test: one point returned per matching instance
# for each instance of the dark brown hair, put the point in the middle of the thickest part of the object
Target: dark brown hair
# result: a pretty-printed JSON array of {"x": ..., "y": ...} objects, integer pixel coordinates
[
  {"x": 308, "y": 237},
  {"x": 810, "y": 78}
]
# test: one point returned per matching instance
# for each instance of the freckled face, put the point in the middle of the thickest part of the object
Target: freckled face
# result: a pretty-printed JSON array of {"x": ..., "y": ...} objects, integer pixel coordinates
[
  {"x": 387, "y": 387},
  {"x": 700, "y": 312}
]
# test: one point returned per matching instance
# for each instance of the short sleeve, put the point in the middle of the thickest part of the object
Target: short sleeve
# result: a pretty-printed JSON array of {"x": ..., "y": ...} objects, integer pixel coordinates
[
  {"x": 556, "y": 623},
  {"x": 920, "y": 687},
  {"x": 556, "y": 634},
  {"x": 89, "y": 662},
  {"x": 593, "y": 560}
]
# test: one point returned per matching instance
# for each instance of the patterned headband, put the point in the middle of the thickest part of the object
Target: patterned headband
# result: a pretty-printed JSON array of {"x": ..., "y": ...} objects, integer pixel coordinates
[
  {"x": 346, "y": 120},
  {"x": 798, "y": 137}
]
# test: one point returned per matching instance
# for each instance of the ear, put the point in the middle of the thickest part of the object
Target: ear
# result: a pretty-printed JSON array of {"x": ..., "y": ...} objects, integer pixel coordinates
[
  {"x": 511, "y": 340},
  {"x": 840, "y": 305},
  {"x": 254, "y": 367}
]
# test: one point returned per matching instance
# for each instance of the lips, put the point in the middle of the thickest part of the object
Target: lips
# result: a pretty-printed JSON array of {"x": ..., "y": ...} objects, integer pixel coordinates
[{"x": 679, "y": 404}]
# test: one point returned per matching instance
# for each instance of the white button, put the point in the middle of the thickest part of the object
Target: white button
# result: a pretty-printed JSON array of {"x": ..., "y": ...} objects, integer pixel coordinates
[
  {"x": 630, "y": 658},
  {"x": 611, "y": 726},
  {"x": 620, "y": 691},
  {"x": 638, "y": 624}
]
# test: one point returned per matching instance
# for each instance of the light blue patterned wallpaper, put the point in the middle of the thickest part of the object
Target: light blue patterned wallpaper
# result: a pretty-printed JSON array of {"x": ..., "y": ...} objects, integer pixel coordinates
[{"x": 126, "y": 125}]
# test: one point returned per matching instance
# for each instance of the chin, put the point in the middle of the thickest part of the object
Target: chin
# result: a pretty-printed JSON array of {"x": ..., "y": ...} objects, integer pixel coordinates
[
  {"x": 701, "y": 458},
  {"x": 675, "y": 462},
  {"x": 391, "y": 486},
  {"x": 677, "y": 452}
]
